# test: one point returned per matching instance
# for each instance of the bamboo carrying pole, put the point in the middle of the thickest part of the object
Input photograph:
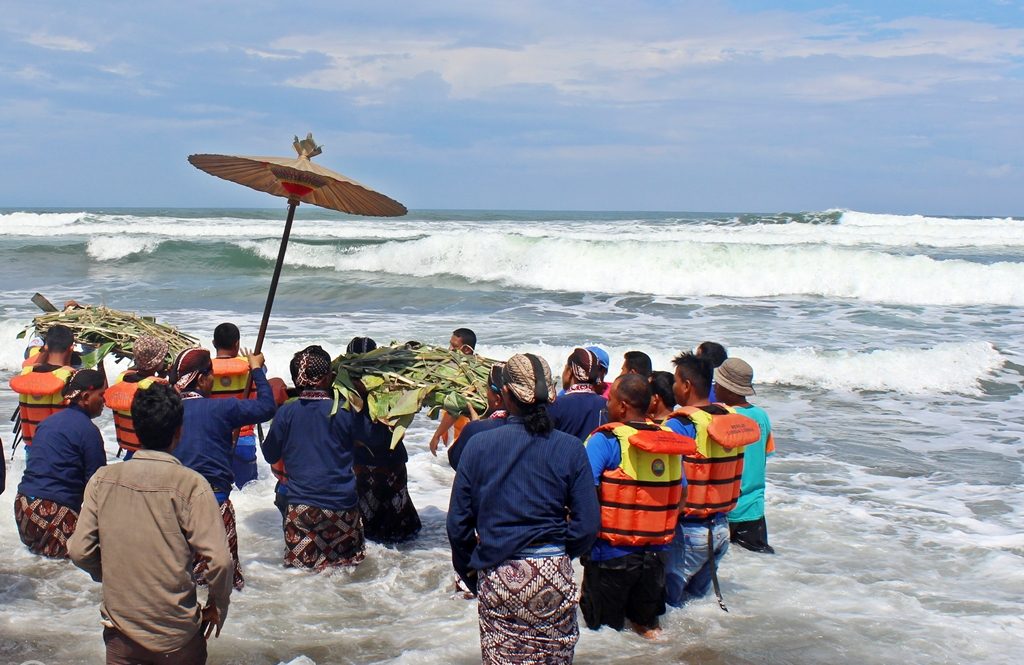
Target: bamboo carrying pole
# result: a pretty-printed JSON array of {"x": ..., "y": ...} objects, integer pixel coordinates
[{"x": 292, "y": 205}]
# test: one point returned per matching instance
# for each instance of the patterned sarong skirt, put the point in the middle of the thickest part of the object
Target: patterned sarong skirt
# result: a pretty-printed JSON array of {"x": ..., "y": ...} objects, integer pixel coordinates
[
  {"x": 227, "y": 514},
  {"x": 389, "y": 515},
  {"x": 44, "y": 525},
  {"x": 528, "y": 611},
  {"x": 318, "y": 538}
]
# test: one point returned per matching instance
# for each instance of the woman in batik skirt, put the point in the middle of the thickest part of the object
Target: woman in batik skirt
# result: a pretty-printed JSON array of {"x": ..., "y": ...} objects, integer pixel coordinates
[
  {"x": 322, "y": 527},
  {"x": 523, "y": 505},
  {"x": 382, "y": 481},
  {"x": 66, "y": 450}
]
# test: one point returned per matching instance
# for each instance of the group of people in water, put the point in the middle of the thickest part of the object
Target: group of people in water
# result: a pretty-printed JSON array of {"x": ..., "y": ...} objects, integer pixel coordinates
[{"x": 645, "y": 478}]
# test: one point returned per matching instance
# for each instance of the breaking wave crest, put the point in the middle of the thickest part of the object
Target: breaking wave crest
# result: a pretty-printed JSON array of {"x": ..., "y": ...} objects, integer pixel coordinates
[{"x": 678, "y": 268}]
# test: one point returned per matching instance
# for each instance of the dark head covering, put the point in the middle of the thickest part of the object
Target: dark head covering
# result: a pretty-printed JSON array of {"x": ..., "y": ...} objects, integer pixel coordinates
[
  {"x": 309, "y": 366},
  {"x": 361, "y": 345},
  {"x": 528, "y": 378},
  {"x": 83, "y": 380},
  {"x": 583, "y": 365},
  {"x": 189, "y": 366}
]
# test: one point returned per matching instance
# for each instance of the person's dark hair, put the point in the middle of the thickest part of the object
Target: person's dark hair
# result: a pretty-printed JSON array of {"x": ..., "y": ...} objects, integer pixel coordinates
[
  {"x": 639, "y": 362},
  {"x": 225, "y": 336},
  {"x": 361, "y": 345},
  {"x": 59, "y": 338},
  {"x": 467, "y": 336},
  {"x": 157, "y": 413},
  {"x": 535, "y": 417},
  {"x": 635, "y": 391},
  {"x": 696, "y": 370},
  {"x": 713, "y": 352},
  {"x": 495, "y": 380},
  {"x": 661, "y": 385},
  {"x": 85, "y": 379}
]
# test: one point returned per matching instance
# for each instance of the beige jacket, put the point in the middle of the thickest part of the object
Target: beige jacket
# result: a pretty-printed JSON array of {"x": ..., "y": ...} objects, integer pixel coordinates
[{"x": 140, "y": 523}]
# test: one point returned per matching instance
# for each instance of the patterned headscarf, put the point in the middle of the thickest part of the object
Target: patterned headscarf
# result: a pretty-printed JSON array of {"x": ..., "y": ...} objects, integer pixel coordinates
[
  {"x": 583, "y": 365},
  {"x": 148, "y": 352},
  {"x": 528, "y": 378},
  {"x": 83, "y": 380},
  {"x": 309, "y": 366},
  {"x": 189, "y": 366}
]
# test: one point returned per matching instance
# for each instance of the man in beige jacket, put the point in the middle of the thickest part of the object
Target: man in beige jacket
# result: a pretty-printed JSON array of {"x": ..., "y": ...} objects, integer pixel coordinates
[{"x": 140, "y": 523}]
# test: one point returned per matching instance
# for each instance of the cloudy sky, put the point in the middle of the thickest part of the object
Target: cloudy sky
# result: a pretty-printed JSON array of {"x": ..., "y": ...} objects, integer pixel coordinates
[{"x": 914, "y": 106}]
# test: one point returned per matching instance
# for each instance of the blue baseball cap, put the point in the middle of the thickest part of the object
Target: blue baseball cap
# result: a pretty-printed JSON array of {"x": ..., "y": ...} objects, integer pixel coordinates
[{"x": 603, "y": 359}]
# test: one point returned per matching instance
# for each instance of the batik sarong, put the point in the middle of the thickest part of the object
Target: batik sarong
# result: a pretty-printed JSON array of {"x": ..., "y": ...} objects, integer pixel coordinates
[
  {"x": 318, "y": 538},
  {"x": 44, "y": 525},
  {"x": 388, "y": 513},
  {"x": 227, "y": 514},
  {"x": 528, "y": 611}
]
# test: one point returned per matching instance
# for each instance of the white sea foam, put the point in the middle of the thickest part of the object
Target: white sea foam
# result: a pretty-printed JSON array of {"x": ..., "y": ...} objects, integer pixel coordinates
[
  {"x": 944, "y": 368},
  {"x": 854, "y": 229},
  {"x": 37, "y": 223},
  {"x": 678, "y": 268},
  {"x": 111, "y": 248}
]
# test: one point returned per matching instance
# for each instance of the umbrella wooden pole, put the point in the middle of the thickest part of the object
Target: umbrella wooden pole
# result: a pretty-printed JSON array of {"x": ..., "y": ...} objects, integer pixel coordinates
[{"x": 292, "y": 204}]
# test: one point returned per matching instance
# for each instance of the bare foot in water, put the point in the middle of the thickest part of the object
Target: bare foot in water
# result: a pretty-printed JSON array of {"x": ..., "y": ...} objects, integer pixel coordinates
[{"x": 646, "y": 632}]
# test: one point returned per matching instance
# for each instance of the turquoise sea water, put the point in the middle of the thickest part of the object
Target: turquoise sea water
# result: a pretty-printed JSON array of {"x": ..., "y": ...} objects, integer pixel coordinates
[{"x": 887, "y": 349}]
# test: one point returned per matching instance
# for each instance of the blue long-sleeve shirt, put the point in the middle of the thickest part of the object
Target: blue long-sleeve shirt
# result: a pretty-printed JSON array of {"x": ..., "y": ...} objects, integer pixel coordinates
[
  {"x": 66, "y": 450},
  {"x": 206, "y": 433},
  {"x": 514, "y": 489},
  {"x": 317, "y": 449},
  {"x": 467, "y": 433},
  {"x": 578, "y": 414}
]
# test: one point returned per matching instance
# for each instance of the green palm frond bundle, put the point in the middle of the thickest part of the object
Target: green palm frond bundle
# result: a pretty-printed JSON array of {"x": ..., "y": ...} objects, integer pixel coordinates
[
  {"x": 401, "y": 379},
  {"x": 112, "y": 331}
]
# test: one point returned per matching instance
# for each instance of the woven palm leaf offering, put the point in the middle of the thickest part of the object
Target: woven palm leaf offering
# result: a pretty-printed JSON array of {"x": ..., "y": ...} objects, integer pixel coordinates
[
  {"x": 401, "y": 379},
  {"x": 111, "y": 331}
]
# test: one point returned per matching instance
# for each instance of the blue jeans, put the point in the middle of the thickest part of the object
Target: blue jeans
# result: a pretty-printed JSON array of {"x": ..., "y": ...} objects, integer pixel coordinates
[{"x": 688, "y": 572}]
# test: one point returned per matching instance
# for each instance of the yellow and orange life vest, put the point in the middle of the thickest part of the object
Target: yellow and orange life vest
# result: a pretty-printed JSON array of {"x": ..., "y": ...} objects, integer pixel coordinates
[
  {"x": 640, "y": 499},
  {"x": 39, "y": 396},
  {"x": 119, "y": 398},
  {"x": 230, "y": 376},
  {"x": 714, "y": 470}
]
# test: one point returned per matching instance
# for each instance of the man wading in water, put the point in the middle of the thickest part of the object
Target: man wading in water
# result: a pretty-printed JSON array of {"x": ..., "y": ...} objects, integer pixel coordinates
[{"x": 142, "y": 522}]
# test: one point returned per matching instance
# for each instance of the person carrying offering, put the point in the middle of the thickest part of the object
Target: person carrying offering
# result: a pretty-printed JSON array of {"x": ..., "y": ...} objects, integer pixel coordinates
[
  {"x": 322, "y": 528},
  {"x": 149, "y": 356}
]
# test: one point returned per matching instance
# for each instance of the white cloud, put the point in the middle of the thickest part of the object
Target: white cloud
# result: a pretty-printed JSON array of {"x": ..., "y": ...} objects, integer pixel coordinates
[
  {"x": 58, "y": 43},
  {"x": 121, "y": 69},
  {"x": 267, "y": 55},
  {"x": 604, "y": 62}
]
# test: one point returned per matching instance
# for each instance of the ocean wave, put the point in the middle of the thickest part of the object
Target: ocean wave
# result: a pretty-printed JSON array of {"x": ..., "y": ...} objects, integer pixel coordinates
[
  {"x": 37, "y": 223},
  {"x": 829, "y": 228},
  {"x": 953, "y": 367},
  {"x": 675, "y": 269},
  {"x": 111, "y": 248}
]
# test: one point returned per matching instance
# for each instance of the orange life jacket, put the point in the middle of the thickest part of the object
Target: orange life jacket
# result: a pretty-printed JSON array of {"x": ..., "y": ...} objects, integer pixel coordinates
[
  {"x": 640, "y": 498},
  {"x": 229, "y": 378},
  {"x": 39, "y": 396},
  {"x": 119, "y": 398},
  {"x": 714, "y": 470}
]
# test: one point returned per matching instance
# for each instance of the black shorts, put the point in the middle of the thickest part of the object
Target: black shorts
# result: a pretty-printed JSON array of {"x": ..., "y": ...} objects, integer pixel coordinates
[{"x": 629, "y": 587}]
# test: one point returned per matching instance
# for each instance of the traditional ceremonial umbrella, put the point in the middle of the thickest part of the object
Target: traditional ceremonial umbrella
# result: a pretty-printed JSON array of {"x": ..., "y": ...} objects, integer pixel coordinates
[{"x": 298, "y": 180}]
